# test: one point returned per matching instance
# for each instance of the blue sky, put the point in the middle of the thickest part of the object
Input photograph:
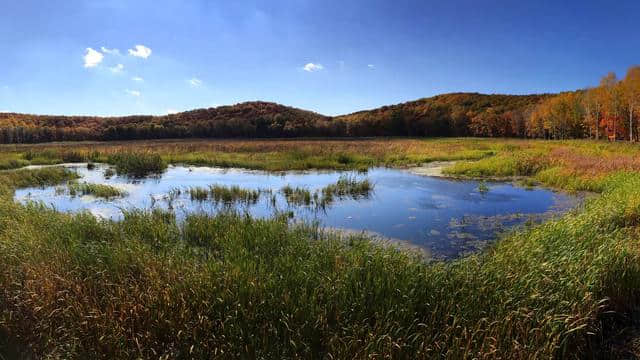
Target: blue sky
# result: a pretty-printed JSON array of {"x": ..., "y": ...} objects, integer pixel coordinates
[{"x": 328, "y": 56}]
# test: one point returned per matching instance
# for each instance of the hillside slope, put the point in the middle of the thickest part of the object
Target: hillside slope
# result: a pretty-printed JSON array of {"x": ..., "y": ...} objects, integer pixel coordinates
[{"x": 458, "y": 114}]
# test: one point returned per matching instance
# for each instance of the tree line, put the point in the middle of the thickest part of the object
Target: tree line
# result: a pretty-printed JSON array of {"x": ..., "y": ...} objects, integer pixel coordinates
[{"x": 607, "y": 111}]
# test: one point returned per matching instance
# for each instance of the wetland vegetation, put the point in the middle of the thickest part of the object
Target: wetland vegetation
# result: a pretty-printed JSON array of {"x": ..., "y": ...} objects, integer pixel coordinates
[{"x": 230, "y": 285}]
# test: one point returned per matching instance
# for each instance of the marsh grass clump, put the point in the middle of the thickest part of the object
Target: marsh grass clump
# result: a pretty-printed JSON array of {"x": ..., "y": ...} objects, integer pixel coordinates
[
  {"x": 297, "y": 196},
  {"x": 109, "y": 172},
  {"x": 137, "y": 164},
  {"x": 97, "y": 190},
  {"x": 199, "y": 193},
  {"x": 348, "y": 186},
  {"x": 13, "y": 164},
  {"x": 483, "y": 188},
  {"x": 39, "y": 177},
  {"x": 225, "y": 195}
]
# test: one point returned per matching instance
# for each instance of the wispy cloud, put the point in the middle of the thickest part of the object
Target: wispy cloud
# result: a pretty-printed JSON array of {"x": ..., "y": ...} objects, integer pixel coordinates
[
  {"x": 110, "y": 51},
  {"x": 92, "y": 58},
  {"x": 140, "y": 51},
  {"x": 171, "y": 111},
  {"x": 371, "y": 66},
  {"x": 135, "y": 93},
  {"x": 311, "y": 67},
  {"x": 195, "y": 82},
  {"x": 137, "y": 79},
  {"x": 117, "y": 69}
]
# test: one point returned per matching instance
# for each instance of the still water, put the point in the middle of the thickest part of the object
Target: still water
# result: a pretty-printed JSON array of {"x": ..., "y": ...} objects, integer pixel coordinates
[{"x": 448, "y": 218}]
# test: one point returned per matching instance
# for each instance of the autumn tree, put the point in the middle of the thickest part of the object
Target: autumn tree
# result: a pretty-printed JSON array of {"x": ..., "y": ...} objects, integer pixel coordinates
[{"x": 631, "y": 94}]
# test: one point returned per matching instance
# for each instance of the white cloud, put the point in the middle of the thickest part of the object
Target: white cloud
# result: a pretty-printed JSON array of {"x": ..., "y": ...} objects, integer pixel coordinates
[
  {"x": 371, "y": 66},
  {"x": 311, "y": 67},
  {"x": 171, "y": 111},
  {"x": 110, "y": 51},
  {"x": 117, "y": 69},
  {"x": 140, "y": 51},
  {"x": 132, "y": 92},
  {"x": 195, "y": 82},
  {"x": 4, "y": 111},
  {"x": 92, "y": 58},
  {"x": 137, "y": 78}
]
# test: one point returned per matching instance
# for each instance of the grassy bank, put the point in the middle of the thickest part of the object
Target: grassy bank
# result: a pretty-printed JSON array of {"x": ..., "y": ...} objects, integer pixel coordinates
[{"x": 229, "y": 286}]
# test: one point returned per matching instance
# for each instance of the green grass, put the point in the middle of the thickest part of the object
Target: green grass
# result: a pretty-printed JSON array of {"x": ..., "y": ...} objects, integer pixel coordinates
[
  {"x": 230, "y": 286},
  {"x": 348, "y": 186},
  {"x": 97, "y": 190},
  {"x": 137, "y": 164},
  {"x": 225, "y": 195},
  {"x": 298, "y": 196}
]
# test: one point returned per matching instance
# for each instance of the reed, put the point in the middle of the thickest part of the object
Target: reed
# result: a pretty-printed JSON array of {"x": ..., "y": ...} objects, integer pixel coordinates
[
  {"x": 137, "y": 164},
  {"x": 225, "y": 195},
  {"x": 97, "y": 190}
]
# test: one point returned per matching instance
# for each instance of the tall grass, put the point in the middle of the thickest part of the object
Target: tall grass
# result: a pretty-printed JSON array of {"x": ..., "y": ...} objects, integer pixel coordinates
[
  {"x": 225, "y": 195},
  {"x": 230, "y": 286},
  {"x": 97, "y": 190},
  {"x": 137, "y": 164},
  {"x": 348, "y": 186}
]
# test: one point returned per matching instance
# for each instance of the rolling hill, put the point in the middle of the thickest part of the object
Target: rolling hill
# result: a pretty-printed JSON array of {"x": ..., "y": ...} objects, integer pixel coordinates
[{"x": 457, "y": 114}]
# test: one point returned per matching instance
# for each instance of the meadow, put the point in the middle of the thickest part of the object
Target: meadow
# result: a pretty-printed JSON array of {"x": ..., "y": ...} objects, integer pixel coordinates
[{"x": 230, "y": 286}]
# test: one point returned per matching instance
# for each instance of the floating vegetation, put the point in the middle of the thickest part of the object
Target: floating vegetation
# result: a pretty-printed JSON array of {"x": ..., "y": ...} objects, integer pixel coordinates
[
  {"x": 97, "y": 190},
  {"x": 483, "y": 188},
  {"x": 137, "y": 164}
]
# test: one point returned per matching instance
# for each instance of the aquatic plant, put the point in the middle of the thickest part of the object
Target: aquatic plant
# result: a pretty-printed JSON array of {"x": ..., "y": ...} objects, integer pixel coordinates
[
  {"x": 483, "y": 188},
  {"x": 97, "y": 190},
  {"x": 199, "y": 193},
  {"x": 226, "y": 195},
  {"x": 348, "y": 186},
  {"x": 297, "y": 196},
  {"x": 109, "y": 172},
  {"x": 137, "y": 164}
]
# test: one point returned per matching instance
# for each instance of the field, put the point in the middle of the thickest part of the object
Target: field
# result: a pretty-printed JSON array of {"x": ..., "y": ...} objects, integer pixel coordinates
[{"x": 229, "y": 286}]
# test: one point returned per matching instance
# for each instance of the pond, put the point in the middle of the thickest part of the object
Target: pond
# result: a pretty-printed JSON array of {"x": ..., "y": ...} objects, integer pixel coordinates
[{"x": 448, "y": 218}]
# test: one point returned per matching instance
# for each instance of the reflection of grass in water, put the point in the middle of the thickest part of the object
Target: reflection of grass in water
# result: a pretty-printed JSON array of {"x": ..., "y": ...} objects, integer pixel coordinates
[{"x": 97, "y": 190}]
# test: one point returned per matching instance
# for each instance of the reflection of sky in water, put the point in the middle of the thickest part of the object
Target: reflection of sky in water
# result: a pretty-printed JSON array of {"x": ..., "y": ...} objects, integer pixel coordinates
[{"x": 446, "y": 216}]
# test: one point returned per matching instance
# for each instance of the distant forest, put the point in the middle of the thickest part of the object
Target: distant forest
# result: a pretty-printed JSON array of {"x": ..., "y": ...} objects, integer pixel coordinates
[{"x": 610, "y": 110}]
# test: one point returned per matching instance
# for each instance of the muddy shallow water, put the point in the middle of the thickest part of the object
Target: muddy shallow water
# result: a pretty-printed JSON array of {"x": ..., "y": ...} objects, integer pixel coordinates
[{"x": 449, "y": 218}]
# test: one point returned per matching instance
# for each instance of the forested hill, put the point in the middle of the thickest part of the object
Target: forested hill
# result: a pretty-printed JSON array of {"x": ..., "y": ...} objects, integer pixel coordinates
[{"x": 457, "y": 114}]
